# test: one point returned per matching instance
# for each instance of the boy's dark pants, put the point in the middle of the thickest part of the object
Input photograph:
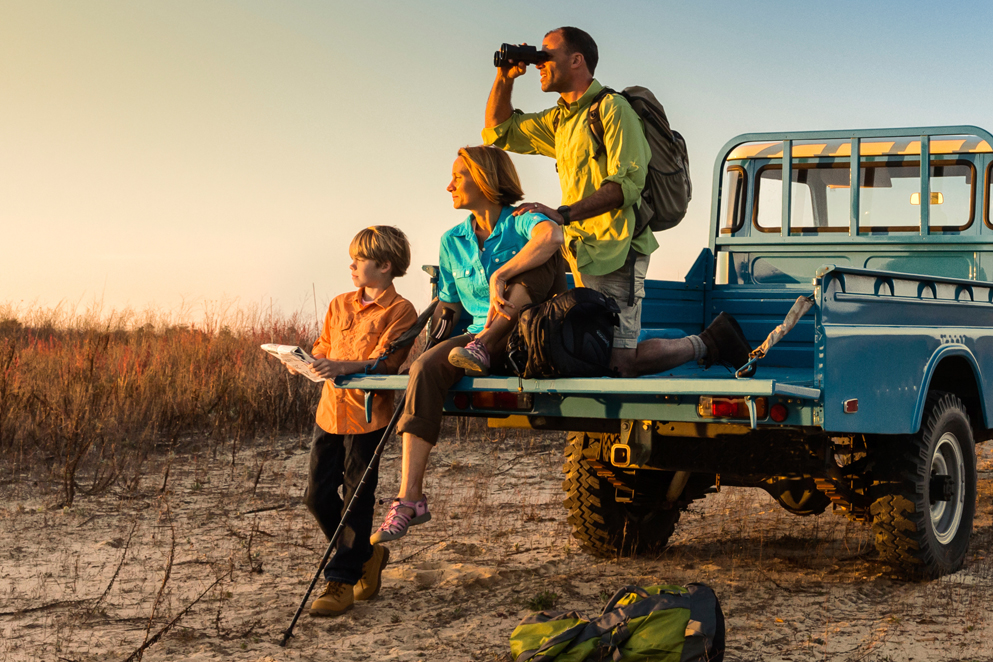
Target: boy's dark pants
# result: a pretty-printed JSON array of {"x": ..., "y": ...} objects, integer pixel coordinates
[{"x": 336, "y": 460}]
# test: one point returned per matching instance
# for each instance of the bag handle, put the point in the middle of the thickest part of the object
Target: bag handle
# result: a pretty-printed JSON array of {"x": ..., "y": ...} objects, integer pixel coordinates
[{"x": 621, "y": 593}]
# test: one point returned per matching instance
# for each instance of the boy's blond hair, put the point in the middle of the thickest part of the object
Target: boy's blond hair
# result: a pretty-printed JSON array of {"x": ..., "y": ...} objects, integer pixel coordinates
[
  {"x": 494, "y": 173},
  {"x": 382, "y": 243}
]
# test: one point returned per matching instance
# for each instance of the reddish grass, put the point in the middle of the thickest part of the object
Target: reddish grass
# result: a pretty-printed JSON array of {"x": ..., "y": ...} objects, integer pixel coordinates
[{"x": 84, "y": 400}]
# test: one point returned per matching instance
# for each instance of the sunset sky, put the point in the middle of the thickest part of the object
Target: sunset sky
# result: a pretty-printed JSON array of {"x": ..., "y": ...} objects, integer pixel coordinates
[{"x": 182, "y": 153}]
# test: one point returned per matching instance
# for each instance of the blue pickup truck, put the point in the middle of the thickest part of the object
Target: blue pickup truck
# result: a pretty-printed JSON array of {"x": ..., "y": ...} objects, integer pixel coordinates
[{"x": 872, "y": 403}]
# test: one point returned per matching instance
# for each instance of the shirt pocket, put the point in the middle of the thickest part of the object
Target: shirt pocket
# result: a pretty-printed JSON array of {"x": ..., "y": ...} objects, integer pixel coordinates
[
  {"x": 364, "y": 333},
  {"x": 472, "y": 286},
  {"x": 503, "y": 257}
]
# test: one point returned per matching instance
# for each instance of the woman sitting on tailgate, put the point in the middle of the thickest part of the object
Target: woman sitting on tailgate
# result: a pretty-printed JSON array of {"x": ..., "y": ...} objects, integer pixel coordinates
[{"x": 492, "y": 264}]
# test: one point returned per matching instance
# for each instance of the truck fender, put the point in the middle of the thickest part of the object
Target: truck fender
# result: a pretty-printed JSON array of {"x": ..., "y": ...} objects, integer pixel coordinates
[{"x": 942, "y": 353}]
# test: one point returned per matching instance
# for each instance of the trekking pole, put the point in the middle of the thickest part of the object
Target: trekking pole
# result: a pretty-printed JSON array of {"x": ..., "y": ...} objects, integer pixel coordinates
[{"x": 437, "y": 336}]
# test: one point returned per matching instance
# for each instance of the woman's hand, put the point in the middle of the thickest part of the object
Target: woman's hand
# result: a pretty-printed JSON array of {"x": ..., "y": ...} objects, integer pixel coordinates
[{"x": 499, "y": 306}]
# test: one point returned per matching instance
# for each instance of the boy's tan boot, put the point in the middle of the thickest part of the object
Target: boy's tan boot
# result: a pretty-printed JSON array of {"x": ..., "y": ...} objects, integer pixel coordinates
[
  {"x": 336, "y": 599},
  {"x": 368, "y": 586}
]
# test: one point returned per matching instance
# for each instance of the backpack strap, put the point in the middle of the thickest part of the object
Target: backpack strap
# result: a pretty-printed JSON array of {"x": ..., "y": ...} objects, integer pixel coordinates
[
  {"x": 596, "y": 121},
  {"x": 629, "y": 265}
]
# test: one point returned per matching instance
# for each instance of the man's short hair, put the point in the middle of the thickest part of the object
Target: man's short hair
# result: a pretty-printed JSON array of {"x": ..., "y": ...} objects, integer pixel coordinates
[
  {"x": 579, "y": 41},
  {"x": 383, "y": 243},
  {"x": 494, "y": 173}
]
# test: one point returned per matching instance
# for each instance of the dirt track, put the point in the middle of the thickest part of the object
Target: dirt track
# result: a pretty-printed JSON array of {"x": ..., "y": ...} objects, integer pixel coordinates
[{"x": 792, "y": 588}]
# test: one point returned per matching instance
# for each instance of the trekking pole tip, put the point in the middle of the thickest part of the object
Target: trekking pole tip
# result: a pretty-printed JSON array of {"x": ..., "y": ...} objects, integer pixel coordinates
[{"x": 286, "y": 637}]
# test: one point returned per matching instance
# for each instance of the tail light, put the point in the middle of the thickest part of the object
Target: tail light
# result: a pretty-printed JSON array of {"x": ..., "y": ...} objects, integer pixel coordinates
[
  {"x": 711, "y": 406},
  {"x": 778, "y": 412},
  {"x": 502, "y": 400}
]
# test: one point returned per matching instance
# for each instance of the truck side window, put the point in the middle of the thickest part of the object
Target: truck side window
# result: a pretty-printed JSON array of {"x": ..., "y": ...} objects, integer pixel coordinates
[
  {"x": 989, "y": 191},
  {"x": 733, "y": 199}
]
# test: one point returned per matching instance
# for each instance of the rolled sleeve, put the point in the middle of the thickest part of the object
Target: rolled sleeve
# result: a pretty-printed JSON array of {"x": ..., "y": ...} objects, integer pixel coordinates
[
  {"x": 524, "y": 133},
  {"x": 524, "y": 224},
  {"x": 627, "y": 148},
  {"x": 400, "y": 317}
]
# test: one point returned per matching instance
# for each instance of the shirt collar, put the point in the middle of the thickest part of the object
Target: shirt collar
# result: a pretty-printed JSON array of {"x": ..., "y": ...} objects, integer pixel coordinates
[
  {"x": 584, "y": 100},
  {"x": 383, "y": 300},
  {"x": 464, "y": 229}
]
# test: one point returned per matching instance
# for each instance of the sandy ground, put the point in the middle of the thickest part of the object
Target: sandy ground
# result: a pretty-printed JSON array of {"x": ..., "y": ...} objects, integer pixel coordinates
[{"x": 90, "y": 582}]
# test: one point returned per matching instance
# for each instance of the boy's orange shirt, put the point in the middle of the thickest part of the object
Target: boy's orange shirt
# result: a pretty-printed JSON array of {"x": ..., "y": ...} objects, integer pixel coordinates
[{"x": 353, "y": 332}]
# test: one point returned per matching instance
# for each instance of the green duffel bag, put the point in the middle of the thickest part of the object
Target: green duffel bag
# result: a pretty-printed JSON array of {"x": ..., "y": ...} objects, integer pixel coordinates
[{"x": 657, "y": 623}]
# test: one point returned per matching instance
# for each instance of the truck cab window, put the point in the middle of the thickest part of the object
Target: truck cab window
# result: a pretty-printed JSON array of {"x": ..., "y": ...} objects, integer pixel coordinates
[
  {"x": 890, "y": 199},
  {"x": 819, "y": 198}
]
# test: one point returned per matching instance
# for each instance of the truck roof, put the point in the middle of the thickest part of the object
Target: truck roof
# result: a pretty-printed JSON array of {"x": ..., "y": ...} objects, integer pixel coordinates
[{"x": 868, "y": 147}]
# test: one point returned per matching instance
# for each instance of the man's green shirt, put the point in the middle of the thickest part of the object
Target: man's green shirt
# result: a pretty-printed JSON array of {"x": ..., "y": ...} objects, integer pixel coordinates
[{"x": 601, "y": 243}]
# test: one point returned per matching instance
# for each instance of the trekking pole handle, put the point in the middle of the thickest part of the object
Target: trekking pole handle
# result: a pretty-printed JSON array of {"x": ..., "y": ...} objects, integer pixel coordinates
[{"x": 444, "y": 324}]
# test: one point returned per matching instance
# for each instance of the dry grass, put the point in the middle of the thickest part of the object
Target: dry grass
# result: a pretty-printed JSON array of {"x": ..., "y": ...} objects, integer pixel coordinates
[{"x": 85, "y": 398}]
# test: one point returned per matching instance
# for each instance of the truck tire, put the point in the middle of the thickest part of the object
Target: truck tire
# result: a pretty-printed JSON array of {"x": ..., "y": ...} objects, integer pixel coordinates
[
  {"x": 799, "y": 496},
  {"x": 604, "y": 526},
  {"x": 924, "y": 523}
]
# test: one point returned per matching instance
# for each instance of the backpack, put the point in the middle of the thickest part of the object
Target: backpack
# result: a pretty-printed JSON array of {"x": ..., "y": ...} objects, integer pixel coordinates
[
  {"x": 654, "y": 623},
  {"x": 668, "y": 189},
  {"x": 570, "y": 335}
]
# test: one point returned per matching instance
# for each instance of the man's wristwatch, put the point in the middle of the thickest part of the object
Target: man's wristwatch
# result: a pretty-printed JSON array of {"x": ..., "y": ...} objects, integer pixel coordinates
[{"x": 564, "y": 213}]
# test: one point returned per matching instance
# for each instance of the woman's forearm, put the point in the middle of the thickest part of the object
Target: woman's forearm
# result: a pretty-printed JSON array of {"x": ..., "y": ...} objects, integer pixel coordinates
[{"x": 546, "y": 240}]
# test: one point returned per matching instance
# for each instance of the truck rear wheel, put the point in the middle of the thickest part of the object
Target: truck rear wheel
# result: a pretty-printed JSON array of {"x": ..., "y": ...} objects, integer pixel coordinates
[
  {"x": 924, "y": 524},
  {"x": 603, "y": 525}
]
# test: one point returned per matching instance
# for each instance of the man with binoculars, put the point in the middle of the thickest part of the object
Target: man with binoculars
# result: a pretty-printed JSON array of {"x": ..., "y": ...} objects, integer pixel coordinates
[{"x": 599, "y": 191}]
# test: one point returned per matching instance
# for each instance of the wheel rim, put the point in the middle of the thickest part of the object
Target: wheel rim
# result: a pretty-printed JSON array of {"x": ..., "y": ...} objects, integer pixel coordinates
[{"x": 947, "y": 461}]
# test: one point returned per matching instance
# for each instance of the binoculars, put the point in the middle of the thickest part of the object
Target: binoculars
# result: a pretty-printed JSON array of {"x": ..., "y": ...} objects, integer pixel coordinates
[{"x": 511, "y": 54}]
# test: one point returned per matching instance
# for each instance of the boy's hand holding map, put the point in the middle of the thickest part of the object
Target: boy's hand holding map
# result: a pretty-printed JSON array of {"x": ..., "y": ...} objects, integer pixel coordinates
[{"x": 295, "y": 359}]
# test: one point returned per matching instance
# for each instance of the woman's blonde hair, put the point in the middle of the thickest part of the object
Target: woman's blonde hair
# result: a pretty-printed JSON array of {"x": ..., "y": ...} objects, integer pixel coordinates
[
  {"x": 382, "y": 243},
  {"x": 494, "y": 173}
]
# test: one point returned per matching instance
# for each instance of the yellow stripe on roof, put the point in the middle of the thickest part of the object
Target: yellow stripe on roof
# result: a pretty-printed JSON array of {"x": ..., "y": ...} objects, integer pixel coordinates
[{"x": 900, "y": 147}]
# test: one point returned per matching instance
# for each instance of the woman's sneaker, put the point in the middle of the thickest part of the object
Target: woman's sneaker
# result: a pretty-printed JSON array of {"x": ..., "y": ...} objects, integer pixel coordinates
[
  {"x": 473, "y": 358},
  {"x": 398, "y": 521}
]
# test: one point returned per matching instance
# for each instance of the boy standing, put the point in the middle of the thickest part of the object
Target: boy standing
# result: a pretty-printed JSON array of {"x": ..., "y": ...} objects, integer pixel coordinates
[{"x": 357, "y": 329}]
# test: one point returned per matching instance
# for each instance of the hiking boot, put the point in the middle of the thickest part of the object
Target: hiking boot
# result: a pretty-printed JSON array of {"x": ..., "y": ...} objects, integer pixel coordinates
[
  {"x": 397, "y": 521},
  {"x": 336, "y": 599},
  {"x": 372, "y": 574},
  {"x": 473, "y": 358},
  {"x": 726, "y": 343}
]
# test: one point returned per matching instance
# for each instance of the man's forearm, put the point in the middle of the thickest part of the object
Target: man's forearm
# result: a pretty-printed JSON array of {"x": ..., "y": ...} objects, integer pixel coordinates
[
  {"x": 607, "y": 198},
  {"x": 498, "y": 105}
]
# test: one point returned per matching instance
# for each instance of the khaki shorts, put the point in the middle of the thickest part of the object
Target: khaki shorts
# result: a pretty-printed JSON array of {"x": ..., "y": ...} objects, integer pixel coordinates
[{"x": 617, "y": 285}]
